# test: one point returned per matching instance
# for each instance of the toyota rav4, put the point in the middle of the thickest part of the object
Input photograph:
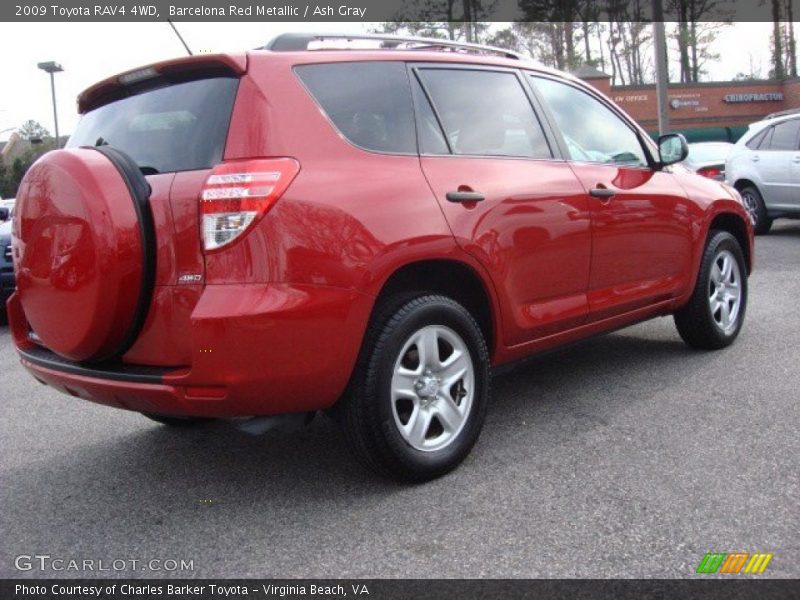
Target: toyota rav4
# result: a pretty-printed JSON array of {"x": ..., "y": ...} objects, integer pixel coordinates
[{"x": 366, "y": 232}]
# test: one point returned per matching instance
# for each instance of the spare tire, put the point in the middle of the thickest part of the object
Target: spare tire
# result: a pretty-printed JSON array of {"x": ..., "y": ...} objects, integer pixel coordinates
[{"x": 86, "y": 251}]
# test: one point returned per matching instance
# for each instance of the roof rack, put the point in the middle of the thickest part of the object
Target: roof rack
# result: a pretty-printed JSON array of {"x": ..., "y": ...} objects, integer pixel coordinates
[{"x": 293, "y": 42}]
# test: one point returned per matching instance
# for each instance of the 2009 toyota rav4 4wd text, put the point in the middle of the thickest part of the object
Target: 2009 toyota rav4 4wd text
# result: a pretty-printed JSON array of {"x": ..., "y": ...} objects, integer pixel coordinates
[{"x": 363, "y": 231}]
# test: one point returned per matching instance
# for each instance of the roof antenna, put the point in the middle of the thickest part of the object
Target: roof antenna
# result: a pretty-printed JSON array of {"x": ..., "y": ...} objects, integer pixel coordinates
[{"x": 180, "y": 37}]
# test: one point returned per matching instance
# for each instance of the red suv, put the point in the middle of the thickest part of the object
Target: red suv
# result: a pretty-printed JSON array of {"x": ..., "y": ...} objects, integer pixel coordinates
[{"x": 366, "y": 232}]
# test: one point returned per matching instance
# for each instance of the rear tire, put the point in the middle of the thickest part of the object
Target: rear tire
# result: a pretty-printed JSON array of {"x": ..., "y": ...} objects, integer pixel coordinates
[
  {"x": 178, "y": 421},
  {"x": 418, "y": 396},
  {"x": 754, "y": 202},
  {"x": 714, "y": 314}
]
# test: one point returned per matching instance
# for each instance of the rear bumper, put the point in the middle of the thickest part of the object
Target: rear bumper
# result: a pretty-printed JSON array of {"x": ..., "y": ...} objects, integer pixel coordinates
[{"x": 255, "y": 350}]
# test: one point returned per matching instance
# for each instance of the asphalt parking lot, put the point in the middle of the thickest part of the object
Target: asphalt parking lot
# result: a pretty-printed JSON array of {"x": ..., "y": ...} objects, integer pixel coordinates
[{"x": 625, "y": 456}]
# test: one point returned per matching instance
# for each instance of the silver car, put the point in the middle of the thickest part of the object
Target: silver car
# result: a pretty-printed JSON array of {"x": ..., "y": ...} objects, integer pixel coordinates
[{"x": 765, "y": 167}]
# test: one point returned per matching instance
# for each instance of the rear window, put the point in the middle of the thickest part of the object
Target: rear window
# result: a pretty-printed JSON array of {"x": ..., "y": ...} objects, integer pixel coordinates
[
  {"x": 368, "y": 102},
  {"x": 181, "y": 127}
]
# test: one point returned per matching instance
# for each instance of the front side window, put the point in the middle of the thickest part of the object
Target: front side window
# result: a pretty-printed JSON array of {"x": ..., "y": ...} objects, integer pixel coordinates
[
  {"x": 591, "y": 130},
  {"x": 485, "y": 113},
  {"x": 368, "y": 102}
]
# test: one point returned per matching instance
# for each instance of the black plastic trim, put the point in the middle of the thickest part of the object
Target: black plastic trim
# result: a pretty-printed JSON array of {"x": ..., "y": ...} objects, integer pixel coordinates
[
  {"x": 112, "y": 371},
  {"x": 140, "y": 194}
]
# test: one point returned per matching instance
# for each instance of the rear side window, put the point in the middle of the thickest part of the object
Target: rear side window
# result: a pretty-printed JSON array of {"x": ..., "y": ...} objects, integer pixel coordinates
[
  {"x": 755, "y": 142},
  {"x": 784, "y": 136},
  {"x": 431, "y": 138},
  {"x": 180, "y": 127},
  {"x": 485, "y": 113},
  {"x": 368, "y": 102}
]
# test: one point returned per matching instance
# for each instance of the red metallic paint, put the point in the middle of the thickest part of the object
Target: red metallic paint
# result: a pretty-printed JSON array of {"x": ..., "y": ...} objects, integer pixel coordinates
[
  {"x": 642, "y": 237},
  {"x": 277, "y": 321},
  {"x": 264, "y": 349},
  {"x": 532, "y": 232}
]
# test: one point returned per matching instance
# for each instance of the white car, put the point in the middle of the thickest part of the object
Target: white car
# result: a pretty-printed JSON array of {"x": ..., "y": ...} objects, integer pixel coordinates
[
  {"x": 708, "y": 159},
  {"x": 765, "y": 167}
]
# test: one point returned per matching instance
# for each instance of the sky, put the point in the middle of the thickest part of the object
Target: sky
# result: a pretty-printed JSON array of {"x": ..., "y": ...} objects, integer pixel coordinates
[{"x": 90, "y": 52}]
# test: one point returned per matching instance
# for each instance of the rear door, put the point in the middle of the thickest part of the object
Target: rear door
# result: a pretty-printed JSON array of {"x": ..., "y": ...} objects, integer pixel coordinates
[
  {"x": 509, "y": 200},
  {"x": 641, "y": 218}
]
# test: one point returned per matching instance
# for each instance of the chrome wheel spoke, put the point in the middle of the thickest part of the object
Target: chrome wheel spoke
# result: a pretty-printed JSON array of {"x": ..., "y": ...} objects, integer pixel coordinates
[
  {"x": 428, "y": 347},
  {"x": 453, "y": 369},
  {"x": 403, "y": 382},
  {"x": 727, "y": 266},
  {"x": 725, "y": 314},
  {"x": 716, "y": 273},
  {"x": 417, "y": 426},
  {"x": 448, "y": 413}
]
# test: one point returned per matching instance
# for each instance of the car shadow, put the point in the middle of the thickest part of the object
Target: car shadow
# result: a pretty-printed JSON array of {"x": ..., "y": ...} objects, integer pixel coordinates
[
  {"x": 215, "y": 477},
  {"x": 221, "y": 463},
  {"x": 785, "y": 229}
]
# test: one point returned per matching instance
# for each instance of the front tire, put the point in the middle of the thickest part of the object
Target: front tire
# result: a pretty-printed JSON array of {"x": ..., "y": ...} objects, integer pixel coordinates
[
  {"x": 419, "y": 393},
  {"x": 754, "y": 203},
  {"x": 714, "y": 314}
]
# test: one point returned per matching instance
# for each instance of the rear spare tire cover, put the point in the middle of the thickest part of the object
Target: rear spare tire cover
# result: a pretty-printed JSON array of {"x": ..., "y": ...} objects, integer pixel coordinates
[{"x": 85, "y": 265}]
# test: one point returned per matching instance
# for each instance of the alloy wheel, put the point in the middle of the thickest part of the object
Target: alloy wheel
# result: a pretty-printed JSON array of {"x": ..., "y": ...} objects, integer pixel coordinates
[
  {"x": 725, "y": 291},
  {"x": 433, "y": 385}
]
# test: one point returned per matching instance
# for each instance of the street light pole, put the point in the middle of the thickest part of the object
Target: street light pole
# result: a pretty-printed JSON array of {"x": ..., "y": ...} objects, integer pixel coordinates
[
  {"x": 52, "y": 68},
  {"x": 662, "y": 76}
]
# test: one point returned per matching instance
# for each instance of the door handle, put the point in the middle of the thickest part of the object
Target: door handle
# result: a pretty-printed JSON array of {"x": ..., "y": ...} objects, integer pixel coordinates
[
  {"x": 603, "y": 193},
  {"x": 755, "y": 158},
  {"x": 465, "y": 196},
  {"x": 796, "y": 159}
]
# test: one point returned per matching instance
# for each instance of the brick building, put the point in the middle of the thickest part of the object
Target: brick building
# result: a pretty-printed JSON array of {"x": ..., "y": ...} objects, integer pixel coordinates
[{"x": 719, "y": 110}]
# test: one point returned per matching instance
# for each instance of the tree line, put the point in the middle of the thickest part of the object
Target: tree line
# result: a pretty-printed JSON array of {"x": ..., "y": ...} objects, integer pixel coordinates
[
  {"x": 611, "y": 35},
  {"x": 37, "y": 140}
]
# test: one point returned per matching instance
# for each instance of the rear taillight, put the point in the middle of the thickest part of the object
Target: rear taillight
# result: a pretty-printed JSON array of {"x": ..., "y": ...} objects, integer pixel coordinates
[
  {"x": 238, "y": 193},
  {"x": 711, "y": 172}
]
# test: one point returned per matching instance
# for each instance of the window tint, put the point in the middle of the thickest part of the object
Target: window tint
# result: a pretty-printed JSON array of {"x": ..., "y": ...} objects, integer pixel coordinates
[
  {"x": 180, "y": 127},
  {"x": 591, "y": 130},
  {"x": 755, "y": 142},
  {"x": 784, "y": 136},
  {"x": 485, "y": 113},
  {"x": 767, "y": 139},
  {"x": 369, "y": 102},
  {"x": 431, "y": 138}
]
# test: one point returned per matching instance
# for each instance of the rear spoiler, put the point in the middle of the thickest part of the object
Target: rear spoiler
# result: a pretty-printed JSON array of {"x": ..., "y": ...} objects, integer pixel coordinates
[{"x": 156, "y": 75}]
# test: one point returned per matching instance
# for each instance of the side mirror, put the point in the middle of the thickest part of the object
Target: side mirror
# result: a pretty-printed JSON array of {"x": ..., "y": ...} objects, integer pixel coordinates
[
  {"x": 672, "y": 148},
  {"x": 5, "y": 213}
]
